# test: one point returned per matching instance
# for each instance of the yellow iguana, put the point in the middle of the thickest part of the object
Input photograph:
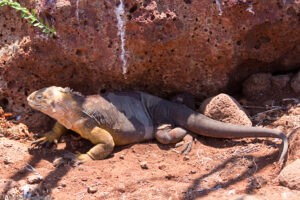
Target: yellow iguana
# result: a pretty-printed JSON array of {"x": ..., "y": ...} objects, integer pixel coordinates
[{"x": 120, "y": 118}]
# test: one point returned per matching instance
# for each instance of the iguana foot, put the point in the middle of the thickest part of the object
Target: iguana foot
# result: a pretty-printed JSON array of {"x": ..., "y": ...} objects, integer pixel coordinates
[
  {"x": 187, "y": 143},
  {"x": 83, "y": 157},
  {"x": 73, "y": 159},
  {"x": 51, "y": 136},
  {"x": 48, "y": 139}
]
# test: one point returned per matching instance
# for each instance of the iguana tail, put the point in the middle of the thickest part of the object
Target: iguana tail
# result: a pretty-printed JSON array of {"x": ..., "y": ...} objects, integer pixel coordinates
[{"x": 202, "y": 125}]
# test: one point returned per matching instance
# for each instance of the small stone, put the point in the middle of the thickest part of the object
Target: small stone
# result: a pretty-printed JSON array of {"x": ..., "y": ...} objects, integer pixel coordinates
[
  {"x": 257, "y": 85},
  {"x": 63, "y": 184},
  {"x": 185, "y": 158},
  {"x": 193, "y": 171},
  {"x": 7, "y": 161},
  {"x": 33, "y": 179},
  {"x": 170, "y": 176},
  {"x": 122, "y": 156},
  {"x": 92, "y": 190},
  {"x": 280, "y": 81},
  {"x": 144, "y": 165},
  {"x": 255, "y": 182},
  {"x": 7, "y": 145},
  {"x": 290, "y": 176},
  {"x": 84, "y": 179},
  {"x": 162, "y": 167},
  {"x": 121, "y": 187}
]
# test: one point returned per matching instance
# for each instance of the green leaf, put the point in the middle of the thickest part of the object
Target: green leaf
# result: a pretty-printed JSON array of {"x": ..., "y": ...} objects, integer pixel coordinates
[
  {"x": 25, "y": 10},
  {"x": 53, "y": 30},
  {"x": 17, "y": 7},
  {"x": 16, "y": 4},
  {"x": 46, "y": 31},
  {"x": 30, "y": 16},
  {"x": 33, "y": 20}
]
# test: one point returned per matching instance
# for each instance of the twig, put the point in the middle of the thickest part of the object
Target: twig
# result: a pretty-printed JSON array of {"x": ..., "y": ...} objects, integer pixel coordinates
[
  {"x": 82, "y": 197},
  {"x": 259, "y": 107},
  {"x": 31, "y": 169},
  {"x": 255, "y": 165},
  {"x": 292, "y": 99},
  {"x": 78, "y": 193}
]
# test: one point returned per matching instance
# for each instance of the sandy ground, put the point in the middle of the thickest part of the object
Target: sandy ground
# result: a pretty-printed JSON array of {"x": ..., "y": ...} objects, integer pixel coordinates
[{"x": 214, "y": 169}]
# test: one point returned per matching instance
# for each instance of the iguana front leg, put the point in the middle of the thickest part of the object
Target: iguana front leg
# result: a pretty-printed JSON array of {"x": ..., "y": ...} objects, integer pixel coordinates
[
  {"x": 52, "y": 136},
  {"x": 104, "y": 145}
]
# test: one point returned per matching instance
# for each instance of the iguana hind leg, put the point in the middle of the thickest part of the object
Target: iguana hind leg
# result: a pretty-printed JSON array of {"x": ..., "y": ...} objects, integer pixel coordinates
[{"x": 165, "y": 134}]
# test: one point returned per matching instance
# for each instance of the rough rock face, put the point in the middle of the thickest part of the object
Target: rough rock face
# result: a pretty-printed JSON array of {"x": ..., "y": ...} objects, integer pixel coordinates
[
  {"x": 294, "y": 145},
  {"x": 161, "y": 46},
  {"x": 226, "y": 109},
  {"x": 290, "y": 175},
  {"x": 295, "y": 83},
  {"x": 257, "y": 85},
  {"x": 264, "y": 84}
]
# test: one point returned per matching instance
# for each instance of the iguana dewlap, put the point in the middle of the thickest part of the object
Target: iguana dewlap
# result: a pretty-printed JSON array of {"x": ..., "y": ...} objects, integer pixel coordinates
[{"x": 119, "y": 118}]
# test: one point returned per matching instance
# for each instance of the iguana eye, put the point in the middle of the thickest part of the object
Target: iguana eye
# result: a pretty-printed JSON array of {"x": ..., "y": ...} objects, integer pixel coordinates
[{"x": 39, "y": 97}]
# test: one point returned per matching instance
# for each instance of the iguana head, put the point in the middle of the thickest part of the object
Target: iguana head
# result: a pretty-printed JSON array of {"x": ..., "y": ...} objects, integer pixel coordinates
[{"x": 54, "y": 101}]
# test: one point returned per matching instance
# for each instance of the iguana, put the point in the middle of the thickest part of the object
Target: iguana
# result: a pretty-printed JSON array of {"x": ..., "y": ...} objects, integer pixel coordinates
[{"x": 120, "y": 118}]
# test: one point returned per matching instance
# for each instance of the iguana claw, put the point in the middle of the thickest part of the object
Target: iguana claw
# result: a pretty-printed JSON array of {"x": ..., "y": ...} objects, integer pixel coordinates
[
  {"x": 83, "y": 157},
  {"x": 186, "y": 148},
  {"x": 187, "y": 143},
  {"x": 47, "y": 140}
]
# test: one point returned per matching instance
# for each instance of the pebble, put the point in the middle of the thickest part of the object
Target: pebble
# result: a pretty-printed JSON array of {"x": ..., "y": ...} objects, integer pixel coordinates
[
  {"x": 7, "y": 161},
  {"x": 122, "y": 156},
  {"x": 185, "y": 158},
  {"x": 7, "y": 145},
  {"x": 63, "y": 184},
  {"x": 34, "y": 179},
  {"x": 92, "y": 190},
  {"x": 161, "y": 167},
  {"x": 84, "y": 179},
  {"x": 144, "y": 165}
]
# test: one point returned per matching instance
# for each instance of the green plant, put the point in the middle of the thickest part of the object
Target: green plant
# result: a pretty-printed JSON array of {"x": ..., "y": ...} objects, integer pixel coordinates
[{"x": 30, "y": 16}]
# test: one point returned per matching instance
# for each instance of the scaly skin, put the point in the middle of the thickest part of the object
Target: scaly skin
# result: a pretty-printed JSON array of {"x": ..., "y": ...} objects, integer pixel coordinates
[{"x": 119, "y": 118}]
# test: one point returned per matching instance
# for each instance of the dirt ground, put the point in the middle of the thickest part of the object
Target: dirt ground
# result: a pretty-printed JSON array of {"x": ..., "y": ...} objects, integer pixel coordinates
[{"x": 214, "y": 169}]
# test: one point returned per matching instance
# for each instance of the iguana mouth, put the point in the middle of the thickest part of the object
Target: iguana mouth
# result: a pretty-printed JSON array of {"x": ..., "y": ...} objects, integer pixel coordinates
[{"x": 32, "y": 103}]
